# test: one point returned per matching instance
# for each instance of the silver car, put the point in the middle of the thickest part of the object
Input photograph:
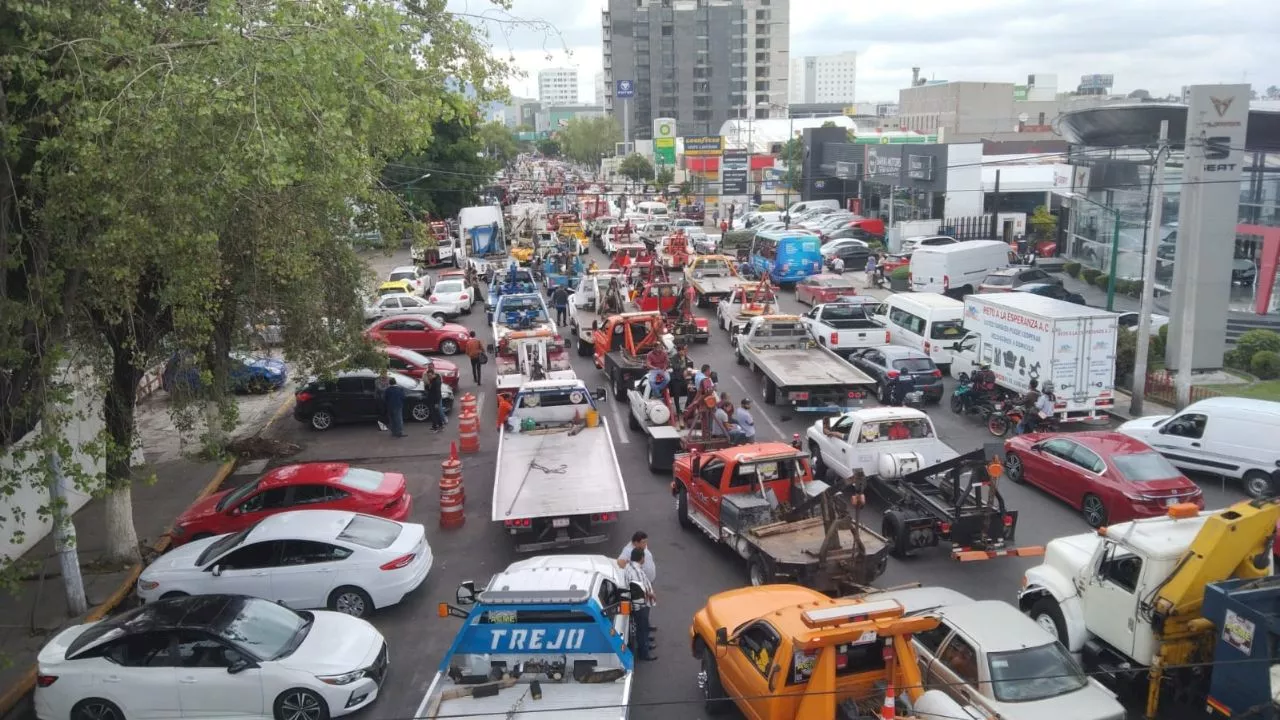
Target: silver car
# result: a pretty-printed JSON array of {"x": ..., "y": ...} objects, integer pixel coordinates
[
  {"x": 987, "y": 654},
  {"x": 405, "y": 304}
]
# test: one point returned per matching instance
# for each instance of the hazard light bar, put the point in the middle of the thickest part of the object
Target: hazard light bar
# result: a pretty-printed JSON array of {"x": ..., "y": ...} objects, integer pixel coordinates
[
  {"x": 534, "y": 597},
  {"x": 850, "y": 612}
]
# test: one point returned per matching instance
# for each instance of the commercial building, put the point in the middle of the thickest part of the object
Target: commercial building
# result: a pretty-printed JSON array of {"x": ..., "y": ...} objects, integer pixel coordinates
[
  {"x": 824, "y": 78},
  {"x": 558, "y": 86},
  {"x": 601, "y": 90},
  {"x": 513, "y": 112},
  {"x": 551, "y": 118},
  {"x": 700, "y": 62}
]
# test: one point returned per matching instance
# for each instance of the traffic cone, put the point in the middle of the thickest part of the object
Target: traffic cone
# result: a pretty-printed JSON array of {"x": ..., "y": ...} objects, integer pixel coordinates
[{"x": 890, "y": 710}]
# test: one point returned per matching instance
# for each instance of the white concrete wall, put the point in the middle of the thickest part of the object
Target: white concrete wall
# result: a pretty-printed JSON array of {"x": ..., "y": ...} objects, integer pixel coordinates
[{"x": 964, "y": 180}]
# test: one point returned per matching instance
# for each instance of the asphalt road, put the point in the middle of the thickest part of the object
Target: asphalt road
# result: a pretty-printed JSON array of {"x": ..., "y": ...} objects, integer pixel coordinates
[{"x": 690, "y": 568}]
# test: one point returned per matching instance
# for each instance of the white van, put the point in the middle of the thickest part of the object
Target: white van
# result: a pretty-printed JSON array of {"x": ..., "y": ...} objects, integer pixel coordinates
[
  {"x": 928, "y": 322},
  {"x": 652, "y": 210},
  {"x": 1228, "y": 436},
  {"x": 797, "y": 208},
  {"x": 956, "y": 269}
]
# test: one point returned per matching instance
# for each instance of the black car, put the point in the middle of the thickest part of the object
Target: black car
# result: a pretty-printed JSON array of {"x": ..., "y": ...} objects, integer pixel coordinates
[
  {"x": 1049, "y": 290},
  {"x": 890, "y": 361},
  {"x": 853, "y": 252},
  {"x": 350, "y": 397}
]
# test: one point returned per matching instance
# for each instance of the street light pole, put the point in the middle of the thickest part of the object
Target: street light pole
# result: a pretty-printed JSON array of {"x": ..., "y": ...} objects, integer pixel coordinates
[{"x": 1140, "y": 355}]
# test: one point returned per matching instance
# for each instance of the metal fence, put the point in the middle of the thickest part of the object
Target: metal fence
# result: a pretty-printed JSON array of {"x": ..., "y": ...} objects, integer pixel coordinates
[
  {"x": 968, "y": 228},
  {"x": 1160, "y": 388}
]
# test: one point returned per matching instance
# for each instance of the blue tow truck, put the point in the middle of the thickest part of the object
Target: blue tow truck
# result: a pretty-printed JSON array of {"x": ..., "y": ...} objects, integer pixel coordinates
[{"x": 547, "y": 638}]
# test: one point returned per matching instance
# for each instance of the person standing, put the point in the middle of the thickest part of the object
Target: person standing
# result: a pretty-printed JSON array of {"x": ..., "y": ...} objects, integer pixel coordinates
[
  {"x": 640, "y": 540},
  {"x": 871, "y": 270},
  {"x": 679, "y": 377},
  {"x": 394, "y": 395},
  {"x": 634, "y": 568},
  {"x": 475, "y": 350},
  {"x": 745, "y": 422},
  {"x": 431, "y": 383},
  {"x": 380, "y": 386},
  {"x": 560, "y": 299},
  {"x": 837, "y": 265}
]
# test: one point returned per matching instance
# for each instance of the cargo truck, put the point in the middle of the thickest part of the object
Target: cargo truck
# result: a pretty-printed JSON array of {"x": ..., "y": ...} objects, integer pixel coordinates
[{"x": 1031, "y": 337}]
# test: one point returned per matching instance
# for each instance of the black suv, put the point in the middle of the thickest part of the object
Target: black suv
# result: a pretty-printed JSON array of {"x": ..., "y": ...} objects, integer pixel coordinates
[{"x": 349, "y": 397}]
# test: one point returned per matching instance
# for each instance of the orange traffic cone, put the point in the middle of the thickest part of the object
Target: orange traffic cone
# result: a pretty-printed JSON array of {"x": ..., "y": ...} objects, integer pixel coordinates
[{"x": 889, "y": 710}]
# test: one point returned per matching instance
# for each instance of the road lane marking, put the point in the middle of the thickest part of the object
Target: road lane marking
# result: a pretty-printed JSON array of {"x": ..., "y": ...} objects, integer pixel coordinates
[
  {"x": 763, "y": 413},
  {"x": 620, "y": 433},
  {"x": 480, "y": 405}
]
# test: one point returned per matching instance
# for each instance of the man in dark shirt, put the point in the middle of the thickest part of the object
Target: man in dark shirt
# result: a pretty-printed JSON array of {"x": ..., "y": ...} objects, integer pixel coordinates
[
  {"x": 435, "y": 395},
  {"x": 394, "y": 398},
  {"x": 560, "y": 299}
]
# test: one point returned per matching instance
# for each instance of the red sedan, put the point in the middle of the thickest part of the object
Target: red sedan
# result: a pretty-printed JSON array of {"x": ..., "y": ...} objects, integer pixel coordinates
[
  {"x": 418, "y": 332},
  {"x": 1108, "y": 476},
  {"x": 319, "y": 486},
  {"x": 824, "y": 288},
  {"x": 414, "y": 364}
]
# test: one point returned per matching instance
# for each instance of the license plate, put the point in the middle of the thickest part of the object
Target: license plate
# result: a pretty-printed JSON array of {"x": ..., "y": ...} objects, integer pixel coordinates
[
  {"x": 1170, "y": 502},
  {"x": 560, "y": 522}
]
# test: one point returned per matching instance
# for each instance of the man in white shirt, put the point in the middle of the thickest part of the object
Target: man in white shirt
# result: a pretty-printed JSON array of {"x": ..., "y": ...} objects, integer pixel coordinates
[
  {"x": 636, "y": 573},
  {"x": 746, "y": 424},
  {"x": 640, "y": 539}
]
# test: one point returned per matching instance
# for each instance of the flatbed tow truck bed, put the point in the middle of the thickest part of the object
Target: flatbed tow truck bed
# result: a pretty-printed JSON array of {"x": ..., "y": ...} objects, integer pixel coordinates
[
  {"x": 550, "y": 472},
  {"x": 797, "y": 543},
  {"x": 562, "y": 701},
  {"x": 794, "y": 368}
]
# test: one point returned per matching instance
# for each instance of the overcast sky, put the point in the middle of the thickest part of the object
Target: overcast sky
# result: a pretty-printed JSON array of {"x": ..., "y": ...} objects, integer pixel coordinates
[{"x": 1156, "y": 46}]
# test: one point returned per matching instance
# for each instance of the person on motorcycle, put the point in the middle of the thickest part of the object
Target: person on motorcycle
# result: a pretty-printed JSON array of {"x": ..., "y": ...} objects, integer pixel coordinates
[
  {"x": 1030, "y": 405},
  {"x": 982, "y": 387},
  {"x": 900, "y": 385}
]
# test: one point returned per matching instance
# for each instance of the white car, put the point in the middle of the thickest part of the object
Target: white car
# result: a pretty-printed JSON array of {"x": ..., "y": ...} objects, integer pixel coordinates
[
  {"x": 211, "y": 656},
  {"x": 1130, "y": 321},
  {"x": 412, "y": 275},
  {"x": 336, "y": 559},
  {"x": 453, "y": 294},
  {"x": 406, "y": 304}
]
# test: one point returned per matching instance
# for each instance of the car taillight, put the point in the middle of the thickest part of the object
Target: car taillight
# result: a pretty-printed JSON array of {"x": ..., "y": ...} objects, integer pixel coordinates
[
  {"x": 604, "y": 517},
  {"x": 433, "y": 299},
  {"x": 893, "y": 373},
  {"x": 936, "y": 373},
  {"x": 463, "y": 297},
  {"x": 927, "y": 346},
  {"x": 524, "y": 523},
  {"x": 46, "y": 680},
  {"x": 835, "y": 338},
  {"x": 1008, "y": 521},
  {"x": 400, "y": 562},
  {"x": 886, "y": 337},
  {"x": 303, "y": 397},
  {"x": 946, "y": 282},
  {"x": 391, "y": 504}
]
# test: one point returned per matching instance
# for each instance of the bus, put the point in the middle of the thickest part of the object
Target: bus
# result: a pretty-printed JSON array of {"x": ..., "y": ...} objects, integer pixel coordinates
[{"x": 786, "y": 256}]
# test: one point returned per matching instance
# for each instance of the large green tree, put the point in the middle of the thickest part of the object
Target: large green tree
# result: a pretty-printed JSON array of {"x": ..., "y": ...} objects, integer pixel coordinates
[
  {"x": 178, "y": 170},
  {"x": 446, "y": 175},
  {"x": 636, "y": 168},
  {"x": 586, "y": 140}
]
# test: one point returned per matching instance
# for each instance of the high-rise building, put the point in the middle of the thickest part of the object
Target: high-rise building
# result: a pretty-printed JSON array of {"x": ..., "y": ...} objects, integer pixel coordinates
[
  {"x": 824, "y": 78},
  {"x": 558, "y": 86},
  {"x": 601, "y": 92},
  {"x": 701, "y": 62}
]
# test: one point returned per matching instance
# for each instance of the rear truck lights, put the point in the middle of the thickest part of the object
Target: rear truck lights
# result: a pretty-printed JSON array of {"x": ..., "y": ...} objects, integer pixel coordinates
[
  {"x": 515, "y": 524},
  {"x": 604, "y": 517},
  {"x": 946, "y": 282},
  {"x": 399, "y": 563},
  {"x": 944, "y": 528},
  {"x": 835, "y": 338},
  {"x": 886, "y": 337},
  {"x": 855, "y": 394},
  {"x": 1008, "y": 520}
]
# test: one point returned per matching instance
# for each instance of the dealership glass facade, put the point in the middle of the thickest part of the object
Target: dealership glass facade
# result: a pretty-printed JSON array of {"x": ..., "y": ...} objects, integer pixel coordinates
[{"x": 1116, "y": 200}]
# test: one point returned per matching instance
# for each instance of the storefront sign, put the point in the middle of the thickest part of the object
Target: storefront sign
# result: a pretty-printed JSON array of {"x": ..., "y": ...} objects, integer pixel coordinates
[
  {"x": 920, "y": 167},
  {"x": 847, "y": 170},
  {"x": 710, "y": 145},
  {"x": 733, "y": 172},
  {"x": 884, "y": 164}
]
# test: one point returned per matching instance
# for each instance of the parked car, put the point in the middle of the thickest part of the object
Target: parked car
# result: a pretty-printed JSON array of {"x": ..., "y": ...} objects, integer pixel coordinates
[
  {"x": 413, "y": 275},
  {"x": 1013, "y": 278},
  {"x": 1052, "y": 290},
  {"x": 453, "y": 293},
  {"x": 245, "y": 373},
  {"x": 337, "y": 559},
  {"x": 990, "y": 655},
  {"x": 350, "y": 397},
  {"x": 415, "y": 364},
  {"x": 1130, "y": 321},
  {"x": 423, "y": 333},
  {"x": 1108, "y": 476},
  {"x": 890, "y": 361},
  {"x": 701, "y": 242},
  {"x": 910, "y": 244},
  {"x": 396, "y": 287},
  {"x": 325, "y": 486},
  {"x": 824, "y": 288},
  {"x": 405, "y": 304},
  {"x": 207, "y": 656},
  {"x": 853, "y": 252}
]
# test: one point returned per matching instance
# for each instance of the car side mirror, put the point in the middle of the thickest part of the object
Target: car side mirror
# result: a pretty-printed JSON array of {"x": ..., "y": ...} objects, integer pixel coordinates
[
  {"x": 217, "y": 571},
  {"x": 773, "y": 677},
  {"x": 599, "y": 394},
  {"x": 240, "y": 666},
  {"x": 722, "y": 636},
  {"x": 466, "y": 593}
]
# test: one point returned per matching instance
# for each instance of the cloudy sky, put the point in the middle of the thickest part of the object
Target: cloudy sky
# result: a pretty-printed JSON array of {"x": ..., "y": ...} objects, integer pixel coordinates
[{"x": 1157, "y": 46}]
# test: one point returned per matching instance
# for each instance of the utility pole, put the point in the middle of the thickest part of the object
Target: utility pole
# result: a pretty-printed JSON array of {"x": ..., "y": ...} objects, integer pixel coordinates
[
  {"x": 1140, "y": 355},
  {"x": 995, "y": 208},
  {"x": 64, "y": 532}
]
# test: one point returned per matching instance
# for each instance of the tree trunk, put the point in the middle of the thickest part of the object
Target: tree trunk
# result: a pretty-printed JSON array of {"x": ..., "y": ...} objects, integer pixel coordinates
[{"x": 118, "y": 409}]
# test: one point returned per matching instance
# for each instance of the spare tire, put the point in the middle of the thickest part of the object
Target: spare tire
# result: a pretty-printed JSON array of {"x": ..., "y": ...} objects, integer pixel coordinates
[{"x": 658, "y": 413}]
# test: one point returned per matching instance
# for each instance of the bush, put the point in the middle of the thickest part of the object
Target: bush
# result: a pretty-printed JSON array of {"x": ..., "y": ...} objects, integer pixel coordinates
[
  {"x": 1089, "y": 274},
  {"x": 1255, "y": 341},
  {"x": 1235, "y": 360},
  {"x": 1102, "y": 281},
  {"x": 1072, "y": 268},
  {"x": 1159, "y": 343},
  {"x": 1265, "y": 365},
  {"x": 1135, "y": 288},
  {"x": 1126, "y": 351},
  {"x": 902, "y": 272}
]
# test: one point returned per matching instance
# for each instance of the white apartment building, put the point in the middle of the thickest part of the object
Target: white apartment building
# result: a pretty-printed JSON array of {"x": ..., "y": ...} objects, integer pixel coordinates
[
  {"x": 824, "y": 78},
  {"x": 601, "y": 91},
  {"x": 558, "y": 86}
]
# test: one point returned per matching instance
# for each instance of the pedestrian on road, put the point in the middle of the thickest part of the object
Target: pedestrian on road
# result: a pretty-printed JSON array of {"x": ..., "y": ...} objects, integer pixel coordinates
[
  {"x": 837, "y": 265},
  {"x": 560, "y": 299},
  {"x": 640, "y": 539},
  {"x": 871, "y": 270},
  {"x": 435, "y": 396},
  {"x": 504, "y": 410},
  {"x": 475, "y": 350},
  {"x": 395, "y": 408},
  {"x": 745, "y": 422},
  {"x": 635, "y": 573},
  {"x": 380, "y": 394},
  {"x": 704, "y": 373}
]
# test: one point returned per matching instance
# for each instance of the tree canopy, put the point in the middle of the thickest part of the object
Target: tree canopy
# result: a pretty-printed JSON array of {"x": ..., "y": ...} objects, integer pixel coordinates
[
  {"x": 447, "y": 174},
  {"x": 636, "y": 168},
  {"x": 586, "y": 140}
]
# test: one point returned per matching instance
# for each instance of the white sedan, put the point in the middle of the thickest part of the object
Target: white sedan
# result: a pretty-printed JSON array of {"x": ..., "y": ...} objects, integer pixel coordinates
[
  {"x": 419, "y": 279},
  {"x": 332, "y": 559},
  {"x": 454, "y": 295},
  {"x": 406, "y": 304},
  {"x": 211, "y": 656}
]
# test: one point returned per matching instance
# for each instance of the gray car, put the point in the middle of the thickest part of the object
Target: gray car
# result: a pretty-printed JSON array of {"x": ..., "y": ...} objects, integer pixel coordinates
[{"x": 987, "y": 654}]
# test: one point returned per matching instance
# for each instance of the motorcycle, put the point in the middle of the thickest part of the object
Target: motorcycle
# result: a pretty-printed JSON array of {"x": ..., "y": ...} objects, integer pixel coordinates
[
  {"x": 1003, "y": 418},
  {"x": 965, "y": 401}
]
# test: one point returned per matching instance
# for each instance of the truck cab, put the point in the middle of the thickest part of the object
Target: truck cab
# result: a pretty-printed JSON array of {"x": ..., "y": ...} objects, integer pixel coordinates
[
  {"x": 726, "y": 491},
  {"x": 520, "y": 311},
  {"x": 858, "y": 440},
  {"x": 784, "y": 652},
  {"x": 744, "y": 302},
  {"x": 621, "y": 344}
]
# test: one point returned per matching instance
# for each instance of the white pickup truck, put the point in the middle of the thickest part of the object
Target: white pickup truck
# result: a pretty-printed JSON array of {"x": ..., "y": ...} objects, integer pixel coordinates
[
  {"x": 547, "y": 638},
  {"x": 557, "y": 483},
  {"x": 844, "y": 327},
  {"x": 868, "y": 440},
  {"x": 798, "y": 371},
  {"x": 585, "y": 307},
  {"x": 747, "y": 300},
  {"x": 651, "y": 412}
]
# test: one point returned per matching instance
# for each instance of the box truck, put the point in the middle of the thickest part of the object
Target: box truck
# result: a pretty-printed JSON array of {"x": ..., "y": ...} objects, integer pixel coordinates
[{"x": 1026, "y": 337}]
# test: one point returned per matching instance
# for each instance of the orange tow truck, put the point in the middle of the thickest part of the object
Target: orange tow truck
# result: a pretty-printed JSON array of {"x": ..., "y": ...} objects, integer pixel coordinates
[
  {"x": 627, "y": 345},
  {"x": 784, "y": 652}
]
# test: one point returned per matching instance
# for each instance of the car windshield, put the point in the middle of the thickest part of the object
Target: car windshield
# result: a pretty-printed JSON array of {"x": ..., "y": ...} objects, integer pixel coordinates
[
  {"x": 1144, "y": 466},
  {"x": 266, "y": 629},
  {"x": 416, "y": 359},
  {"x": 844, "y": 311},
  {"x": 432, "y": 322},
  {"x": 998, "y": 280},
  {"x": 947, "y": 330},
  {"x": 234, "y": 497},
  {"x": 913, "y": 365},
  {"x": 1034, "y": 673},
  {"x": 223, "y": 544},
  {"x": 371, "y": 532},
  {"x": 362, "y": 479},
  {"x": 448, "y": 286},
  {"x": 403, "y": 275}
]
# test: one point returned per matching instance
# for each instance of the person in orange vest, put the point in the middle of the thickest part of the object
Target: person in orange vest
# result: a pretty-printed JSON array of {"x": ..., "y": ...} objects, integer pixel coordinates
[{"x": 504, "y": 410}]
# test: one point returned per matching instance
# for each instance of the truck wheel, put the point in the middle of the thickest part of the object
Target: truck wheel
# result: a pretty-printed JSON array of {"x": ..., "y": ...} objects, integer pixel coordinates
[
  {"x": 760, "y": 570},
  {"x": 682, "y": 508},
  {"x": 619, "y": 388},
  {"x": 709, "y": 681},
  {"x": 894, "y": 529},
  {"x": 651, "y": 456},
  {"x": 737, "y": 355},
  {"x": 584, "y": 348},
  {"x": 819, "y": 467},
  {"x": 1257, "y": 484},
  {"x": 770, "y": 392},
  {"x": 1046, "y": 613},
  {"x": 632, "y": 422}
]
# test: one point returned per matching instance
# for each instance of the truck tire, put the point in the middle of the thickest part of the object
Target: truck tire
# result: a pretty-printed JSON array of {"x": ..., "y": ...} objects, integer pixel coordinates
[
  {"x": 650, "y": 456},
  {"x": 1046, "y": 613},
  {"x": 760, "y": 571},
  {"x": 584, "y": 348},
  {"x": 709, "y": 681},
  {"x": 619, "y": 387},
  {"x": 894, "y": 530},
  {"x": 737, "y": 355},
  {"x": 770, "y": 392},
  {"x": 631, "y": 420},
  {"x": 819, "y": 467},
  {"x": 682, "y": 508}
]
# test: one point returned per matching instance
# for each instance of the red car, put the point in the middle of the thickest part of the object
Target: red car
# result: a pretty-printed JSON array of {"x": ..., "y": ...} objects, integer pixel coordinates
[
  {"x": 414, "y": 364},
  {"x": 824, "y": 288},
  {"x": 418, "y": 332},
  {"x": 319, "y": 486},
  {"x": 1108, "y": 476}
]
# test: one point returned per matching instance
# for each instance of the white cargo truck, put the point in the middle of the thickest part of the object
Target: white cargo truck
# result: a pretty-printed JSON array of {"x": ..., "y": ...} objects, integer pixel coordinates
[{"x": 1031, "y": 337}]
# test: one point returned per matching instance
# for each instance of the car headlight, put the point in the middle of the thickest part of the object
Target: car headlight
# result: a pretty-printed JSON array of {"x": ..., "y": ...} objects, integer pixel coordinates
[
  {"x": 344, "y": 679},
  {"x": 144, "y": 584}
]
